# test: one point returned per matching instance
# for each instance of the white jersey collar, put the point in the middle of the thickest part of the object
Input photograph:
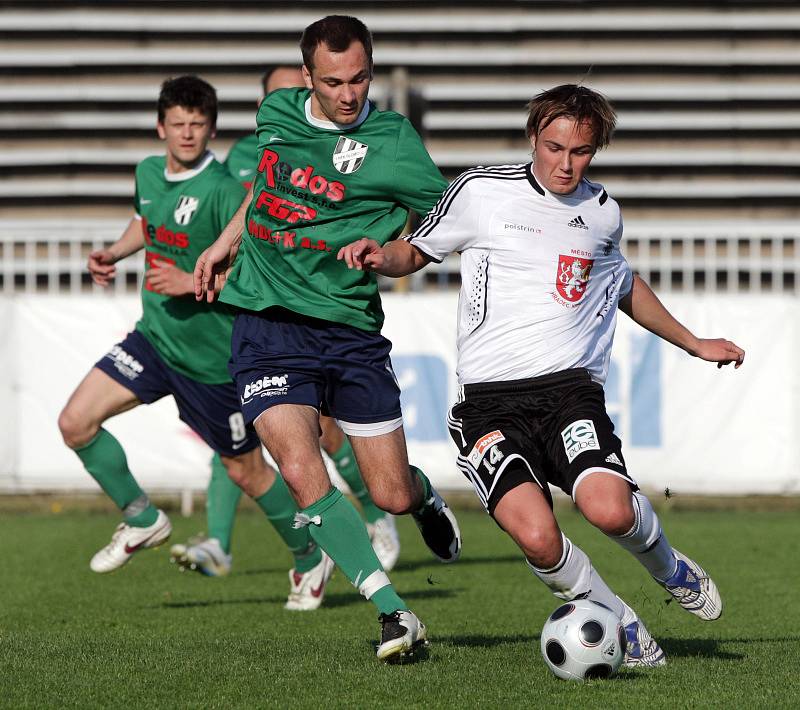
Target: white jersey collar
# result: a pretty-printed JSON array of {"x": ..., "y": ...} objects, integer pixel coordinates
[
  {"x": 189, "y": 174},
  {"x": 584, "y": 191},
  {"x": 332, "y": 125}
]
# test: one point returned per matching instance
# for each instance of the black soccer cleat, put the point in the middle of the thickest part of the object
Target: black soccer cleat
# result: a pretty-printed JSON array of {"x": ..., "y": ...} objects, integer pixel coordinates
[
  {"x": 439, "y": 528},
  {"x": 401, "y": 633}
]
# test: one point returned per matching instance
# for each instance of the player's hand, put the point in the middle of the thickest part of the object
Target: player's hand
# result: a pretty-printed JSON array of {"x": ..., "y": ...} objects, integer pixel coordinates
[
  {"x": 212, "y": 269},
  {"x": 720, "y": 351},
  {"x": 364, "y": 255},
  {"x": 169, "y": 281},
  {"x": 101, "y": 266}
]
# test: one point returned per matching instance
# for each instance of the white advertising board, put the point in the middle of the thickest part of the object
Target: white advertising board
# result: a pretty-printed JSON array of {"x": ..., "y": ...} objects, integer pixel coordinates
[{"x": 684, "y": 424}]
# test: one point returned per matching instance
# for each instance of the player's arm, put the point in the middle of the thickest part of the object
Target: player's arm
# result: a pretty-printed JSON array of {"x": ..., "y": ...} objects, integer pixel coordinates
[
  {"x": 397, "y": 258},
  {"x": 214, "y": 264},
  {"x": 101, "y": 262},
  {"x": 170, "y": 281},
  {"x": 644, "y": 307}
]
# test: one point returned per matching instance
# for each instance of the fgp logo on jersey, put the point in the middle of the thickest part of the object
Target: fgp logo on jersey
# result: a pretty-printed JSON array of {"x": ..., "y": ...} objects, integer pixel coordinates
[
  {"x": 573, "y": 276},
  {"x": 578, "y": 437},
  {"x": 348, "y": 155},
  {"x": 185, "y": 209}
]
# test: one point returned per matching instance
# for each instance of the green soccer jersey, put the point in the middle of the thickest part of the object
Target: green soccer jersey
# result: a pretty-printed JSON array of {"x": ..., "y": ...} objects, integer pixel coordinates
[
  {"x": 182, "y": 214},
  {"x": 242, "y": 159},
  {"x": 319, "y": 187}
]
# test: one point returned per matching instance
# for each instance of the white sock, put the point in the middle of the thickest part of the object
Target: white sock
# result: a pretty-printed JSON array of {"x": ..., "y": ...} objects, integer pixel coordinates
[
  {"x": 647, "y": 542},
  {"x": 574, "y": 576}
]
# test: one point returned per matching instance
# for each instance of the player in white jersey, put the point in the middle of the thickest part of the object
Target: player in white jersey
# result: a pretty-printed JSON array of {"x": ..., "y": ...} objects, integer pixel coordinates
[{"x": 542, "y": 278}]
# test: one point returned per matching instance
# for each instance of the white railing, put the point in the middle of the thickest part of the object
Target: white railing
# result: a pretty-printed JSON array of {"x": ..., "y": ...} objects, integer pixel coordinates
[{"x": 46, "y": 255}]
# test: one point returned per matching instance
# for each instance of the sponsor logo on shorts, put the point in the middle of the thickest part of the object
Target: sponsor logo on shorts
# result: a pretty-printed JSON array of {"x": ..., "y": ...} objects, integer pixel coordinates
[
  {"x": 486, "y": 442},
  {"x": 578, "y": 437},
  {"x": 267, "y": 386},
  {"x": 613, "y": 458},
  {"x": 126, "y": 364}
]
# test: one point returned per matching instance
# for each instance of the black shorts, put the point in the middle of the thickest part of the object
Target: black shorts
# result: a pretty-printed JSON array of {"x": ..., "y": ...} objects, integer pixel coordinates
[
  {"x": 552, "y": 429},
  {"x": 212, "y": 411}
]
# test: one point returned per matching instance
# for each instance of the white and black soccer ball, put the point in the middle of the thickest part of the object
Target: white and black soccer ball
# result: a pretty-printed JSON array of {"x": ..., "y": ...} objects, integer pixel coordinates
[{"x": 582, "y": 640}]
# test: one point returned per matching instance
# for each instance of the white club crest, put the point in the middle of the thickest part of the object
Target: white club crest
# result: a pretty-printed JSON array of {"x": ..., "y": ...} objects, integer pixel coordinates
[
  {"x": 348, "y": 155},
  {"x": 185, "y": 209}
]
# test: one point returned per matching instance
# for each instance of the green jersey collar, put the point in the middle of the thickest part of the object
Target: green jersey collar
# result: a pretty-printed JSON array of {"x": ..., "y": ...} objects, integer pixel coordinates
[
  {"x": 189, "y": 174},
  {"x": 333, "y": 126}
]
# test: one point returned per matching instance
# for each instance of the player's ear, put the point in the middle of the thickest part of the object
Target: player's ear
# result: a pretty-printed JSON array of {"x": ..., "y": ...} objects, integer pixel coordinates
[
  {"x": 162, "y": 134},
  {"x": 307, "y": 77}
]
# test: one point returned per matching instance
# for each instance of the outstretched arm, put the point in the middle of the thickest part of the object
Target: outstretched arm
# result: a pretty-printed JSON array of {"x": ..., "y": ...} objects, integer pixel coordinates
[
  {"x": 397, "y": 258},
  {"x": 643, "y": 306},
  {"x": 101, "y": 262},
  {"x": 214, "y": 264}
]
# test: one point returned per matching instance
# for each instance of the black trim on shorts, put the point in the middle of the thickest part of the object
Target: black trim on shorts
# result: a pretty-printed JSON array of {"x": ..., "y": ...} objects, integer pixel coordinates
[{"x": 527, "y": 385}]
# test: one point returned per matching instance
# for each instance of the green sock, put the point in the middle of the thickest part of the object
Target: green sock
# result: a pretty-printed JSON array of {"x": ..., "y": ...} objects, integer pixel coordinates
[
  {"x": 427, "y": 490},
  {"x": 221, "y": 502},
  {"x": 104, "y": 459},
  {"x": 339, "y": 530},
  {"x": 347, "y": 467},
  {"x": 280, "y": 508}
]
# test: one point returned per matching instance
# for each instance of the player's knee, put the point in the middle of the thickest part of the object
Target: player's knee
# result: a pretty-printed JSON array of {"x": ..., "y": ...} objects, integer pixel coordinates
[
  {"x": 541, "y": 545},
  {"x": 75, "y": 429},
  {"x": 396, "y": 502},
  {"x": 612, "y": 517}
]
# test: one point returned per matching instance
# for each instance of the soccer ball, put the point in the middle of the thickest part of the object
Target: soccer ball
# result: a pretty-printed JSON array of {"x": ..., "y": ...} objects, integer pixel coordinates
[{"x": 582, "y": 640}]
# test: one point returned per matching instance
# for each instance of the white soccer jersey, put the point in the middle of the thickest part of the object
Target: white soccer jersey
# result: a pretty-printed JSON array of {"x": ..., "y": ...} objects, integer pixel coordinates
[{"x": 541, "y": 274}]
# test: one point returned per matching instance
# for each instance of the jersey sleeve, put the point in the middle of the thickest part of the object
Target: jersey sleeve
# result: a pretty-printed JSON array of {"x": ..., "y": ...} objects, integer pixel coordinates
[
  {"x": 136, "y": 198},
  {"x": 627, "y": 273},
  {"x": 228, "y": 199},
  {"x": 452, "y": 225},
  {"x": 418, "y": 184}
]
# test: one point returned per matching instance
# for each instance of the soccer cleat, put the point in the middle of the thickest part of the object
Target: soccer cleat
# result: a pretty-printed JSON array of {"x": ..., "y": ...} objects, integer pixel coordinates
[
  {"x": 641, "y": 649},
  {"x": 204, "y": 556},
  {"x": 401, "y": 633},
  {"x": 693, "y": 589},
  {"x": 385, "y": 541},
  {"x": 308, "y": 588},
  {"x": 439, "y": 528},
  {"x": 127, "y": 540}
]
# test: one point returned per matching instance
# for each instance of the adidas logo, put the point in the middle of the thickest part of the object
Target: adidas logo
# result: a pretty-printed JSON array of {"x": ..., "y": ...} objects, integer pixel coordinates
[
  {"x": 613, "y": 458},
  {"x": 578, "y": 223}
]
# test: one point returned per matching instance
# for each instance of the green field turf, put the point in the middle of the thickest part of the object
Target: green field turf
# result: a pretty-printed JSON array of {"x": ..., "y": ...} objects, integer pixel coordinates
[{"x": 150, "y": 637}]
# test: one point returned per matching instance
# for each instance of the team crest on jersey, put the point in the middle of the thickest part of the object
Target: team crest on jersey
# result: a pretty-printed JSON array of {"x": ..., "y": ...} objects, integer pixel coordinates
[
  {"x": 348, "y": 155},
  {"x": 185, "y": 209},
  {"x": 573, "y": 276}
]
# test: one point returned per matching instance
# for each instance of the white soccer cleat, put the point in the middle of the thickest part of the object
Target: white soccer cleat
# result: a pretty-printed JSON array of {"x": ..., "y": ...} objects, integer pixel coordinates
[
  {"x": 308, "y": 589},
  {"x": 204, "y": 556},
  {"x": 693, "y": 589},
  {"x": 385, "y": 541},
  {"x": 128, "y": 540},
  {"x": 401, "y": 633},
  {"x": 641, "y": 648}
]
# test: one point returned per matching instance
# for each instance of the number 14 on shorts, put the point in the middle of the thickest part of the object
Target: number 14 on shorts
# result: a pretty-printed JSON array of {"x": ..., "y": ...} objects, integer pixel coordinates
[{"x": 487, "y": 444}]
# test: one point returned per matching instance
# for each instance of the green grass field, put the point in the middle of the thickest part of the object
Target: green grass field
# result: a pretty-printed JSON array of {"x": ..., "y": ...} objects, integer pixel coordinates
[{"x": 148, "y": 636}]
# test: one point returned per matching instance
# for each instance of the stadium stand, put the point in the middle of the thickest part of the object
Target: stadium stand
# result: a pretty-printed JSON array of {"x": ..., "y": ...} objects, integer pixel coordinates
[{"x": 705, "y": 162}]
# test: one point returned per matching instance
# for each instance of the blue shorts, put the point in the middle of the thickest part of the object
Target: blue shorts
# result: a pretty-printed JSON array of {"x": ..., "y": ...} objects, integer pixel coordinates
[
  {"x": 281, "y": 357},
  {"x": 212, "y": 411}
]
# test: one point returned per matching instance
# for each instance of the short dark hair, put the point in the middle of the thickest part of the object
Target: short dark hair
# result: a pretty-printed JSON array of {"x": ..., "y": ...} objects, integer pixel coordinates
[
  {"x": 189, "y": 92},
  {"x": 579, "y": 103},
  {"x": 338, "y": 32}
]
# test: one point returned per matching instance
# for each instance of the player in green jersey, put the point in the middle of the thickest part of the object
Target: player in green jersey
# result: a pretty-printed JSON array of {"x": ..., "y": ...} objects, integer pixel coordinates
[
  {"x": 179, "y": 347},
  {"x": 307, "y": 337},
  {"x": 223, "y": 494}
]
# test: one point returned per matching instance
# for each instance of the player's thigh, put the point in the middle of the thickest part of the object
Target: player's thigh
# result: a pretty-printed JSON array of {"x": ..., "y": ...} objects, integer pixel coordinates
[
  {"x": 291, "y": 434},
  {"x": 97, "y": 398},
  {"x": 605, "y": 500}
]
